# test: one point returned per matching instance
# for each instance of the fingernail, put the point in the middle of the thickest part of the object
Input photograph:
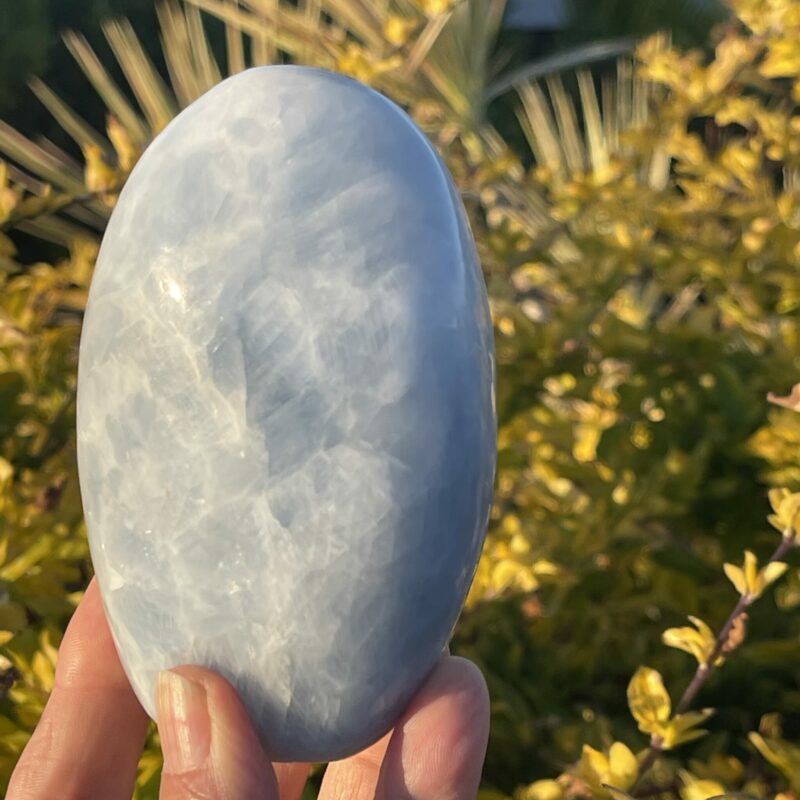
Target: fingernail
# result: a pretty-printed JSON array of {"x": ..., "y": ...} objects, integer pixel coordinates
[{"x": 183, "y": 722}]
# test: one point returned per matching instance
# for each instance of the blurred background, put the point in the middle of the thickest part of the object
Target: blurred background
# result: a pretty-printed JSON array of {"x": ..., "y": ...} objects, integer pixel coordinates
[
  {"x": 31, "y": 44},
  {"x": 632, "y": 175}
]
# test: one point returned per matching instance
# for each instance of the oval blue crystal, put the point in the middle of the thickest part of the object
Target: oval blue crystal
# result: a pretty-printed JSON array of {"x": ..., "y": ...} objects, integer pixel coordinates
[{"x": 286, "y": 431}]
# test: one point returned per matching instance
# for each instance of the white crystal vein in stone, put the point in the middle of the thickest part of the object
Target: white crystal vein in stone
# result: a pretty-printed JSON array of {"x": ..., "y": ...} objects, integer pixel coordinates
[{"x": 285, "y": 414}]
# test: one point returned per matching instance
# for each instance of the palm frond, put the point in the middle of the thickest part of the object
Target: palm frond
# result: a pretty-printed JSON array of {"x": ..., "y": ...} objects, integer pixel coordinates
[
  {"x": 567, "y": 139},
  {"x": 448, "y": 58},
  {"x": 539, "y": 127},
  {"x": 205, "y": 63},
  {"x": 570, "y": 137},
  {"x": 312, "y": 12},
  {"x": 54, "y": 229},
  {"x": 425, "y": 41},
  {"x": 291, "y": 29},
  {"x": 190, "y": 62},
  {"x": 443, "y": 58},
  {"x": 358, "y": 17},
  {"x": 597, "y": 144},
  {"x": 573, "y": 59},
  {"x": 67, "y": 199},
  {"x": 234, "y": 44},
  {"x": 78, "y": 129},
  {"x": 458, "y": 66},
  {"x": 151, "y": 92},
  {"x": 35, "y": 158},
  {"x": 104, "y": 85}
]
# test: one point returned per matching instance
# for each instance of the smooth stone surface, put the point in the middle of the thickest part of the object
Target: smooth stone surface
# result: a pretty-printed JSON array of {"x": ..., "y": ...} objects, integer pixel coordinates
[{"x": 286, "y": 430}]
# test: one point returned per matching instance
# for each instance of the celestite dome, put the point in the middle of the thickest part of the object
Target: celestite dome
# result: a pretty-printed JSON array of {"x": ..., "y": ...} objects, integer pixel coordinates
[{"x": 286, "y": 432}]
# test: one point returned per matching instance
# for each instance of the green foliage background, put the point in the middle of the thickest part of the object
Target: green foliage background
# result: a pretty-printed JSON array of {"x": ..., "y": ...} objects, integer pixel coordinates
[{"x": 642, "y": 252}]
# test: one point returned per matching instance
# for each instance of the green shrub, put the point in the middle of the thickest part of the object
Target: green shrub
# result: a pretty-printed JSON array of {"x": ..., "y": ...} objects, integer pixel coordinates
[{"x": 643, "y": 260}]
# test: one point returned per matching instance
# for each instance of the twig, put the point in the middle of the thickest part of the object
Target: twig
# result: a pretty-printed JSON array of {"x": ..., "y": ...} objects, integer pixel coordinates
[{"x": 704, "y": 670}]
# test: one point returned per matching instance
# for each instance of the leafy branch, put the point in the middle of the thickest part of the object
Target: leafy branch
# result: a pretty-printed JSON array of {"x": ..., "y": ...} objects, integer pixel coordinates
[{"x": 751, "y": 582}]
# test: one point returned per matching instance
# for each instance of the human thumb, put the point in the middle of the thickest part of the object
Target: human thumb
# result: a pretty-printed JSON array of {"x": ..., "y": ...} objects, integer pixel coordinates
[{"x": 211, "y": 749}]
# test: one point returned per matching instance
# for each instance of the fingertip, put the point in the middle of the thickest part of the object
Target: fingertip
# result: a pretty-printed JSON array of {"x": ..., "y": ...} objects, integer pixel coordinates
[
  {"x": 473, "y": 680},
  {"x": 87, "y": 655},
  {"x": 457, "y": 680},
  {"x": 184, "y": 722},
  {"x": 90, "y": 736},
  {"x": 210, "y": 745},
  {"x": 439, "y": 744}
]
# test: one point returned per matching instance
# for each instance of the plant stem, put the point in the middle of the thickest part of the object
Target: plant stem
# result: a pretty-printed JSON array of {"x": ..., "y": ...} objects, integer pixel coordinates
[{"x": 705, "y": 669}]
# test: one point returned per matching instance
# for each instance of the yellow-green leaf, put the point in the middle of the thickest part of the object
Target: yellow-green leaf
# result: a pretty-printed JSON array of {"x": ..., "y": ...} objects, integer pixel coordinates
[
  {"x": 786, "y": 506},
  {"x": 783, "y": 755},
  {"x": 682, "y": 728},
  {"x": 736, "y": 576},
  {"x": 698, "y": 641},
  {"x": 698, "y": 789},
  {"x": 618, "y": 767},
  {"x": 538, "y": 790},
  {"x": 648, "y": 699}
]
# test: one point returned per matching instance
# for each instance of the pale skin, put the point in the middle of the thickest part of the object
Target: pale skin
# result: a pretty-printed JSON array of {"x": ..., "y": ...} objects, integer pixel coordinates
[{"x": 88, "y": 742}]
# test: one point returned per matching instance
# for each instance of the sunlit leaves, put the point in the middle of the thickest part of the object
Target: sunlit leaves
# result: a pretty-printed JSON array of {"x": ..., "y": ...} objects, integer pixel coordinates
[
  {"x": 617, "y": 767},
  {"x": 749, "y": 580},
  {"x": 651, "y": 707},
  {"x": 783, "y": 755},
  {"x": 683, "y": 728},
  {"x": 127, "y": 151},
  {"x": 43, "y": 550},
  {"x": 782, "y": 60},
  {"x": 540, "y": 790},
  {"x": 435, "y": 8},
  {"x": 786, "y": 506},
  {"x": 397, "y": 29},
  {"x": 99, "y": 176},
  {"x": 693, "y": 788},
  {"x": 649, "y": 701},
  {"x": 778, "y": 443},
  {"x": 698, "y": 641},
  {"x": 643, "y": 256},
  {"x": 361, "y": 64}
]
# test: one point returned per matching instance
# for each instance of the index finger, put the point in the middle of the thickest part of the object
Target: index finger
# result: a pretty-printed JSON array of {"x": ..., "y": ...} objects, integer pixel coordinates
[{"x": 90, "y": 736}]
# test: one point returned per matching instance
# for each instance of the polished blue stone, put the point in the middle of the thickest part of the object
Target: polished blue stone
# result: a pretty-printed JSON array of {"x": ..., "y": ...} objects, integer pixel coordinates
[{"x": 286, "y": 429}]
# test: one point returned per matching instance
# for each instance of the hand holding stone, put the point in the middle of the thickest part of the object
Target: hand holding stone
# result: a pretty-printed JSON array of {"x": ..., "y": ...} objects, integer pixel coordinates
[{"x": 88, "y": 742}]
